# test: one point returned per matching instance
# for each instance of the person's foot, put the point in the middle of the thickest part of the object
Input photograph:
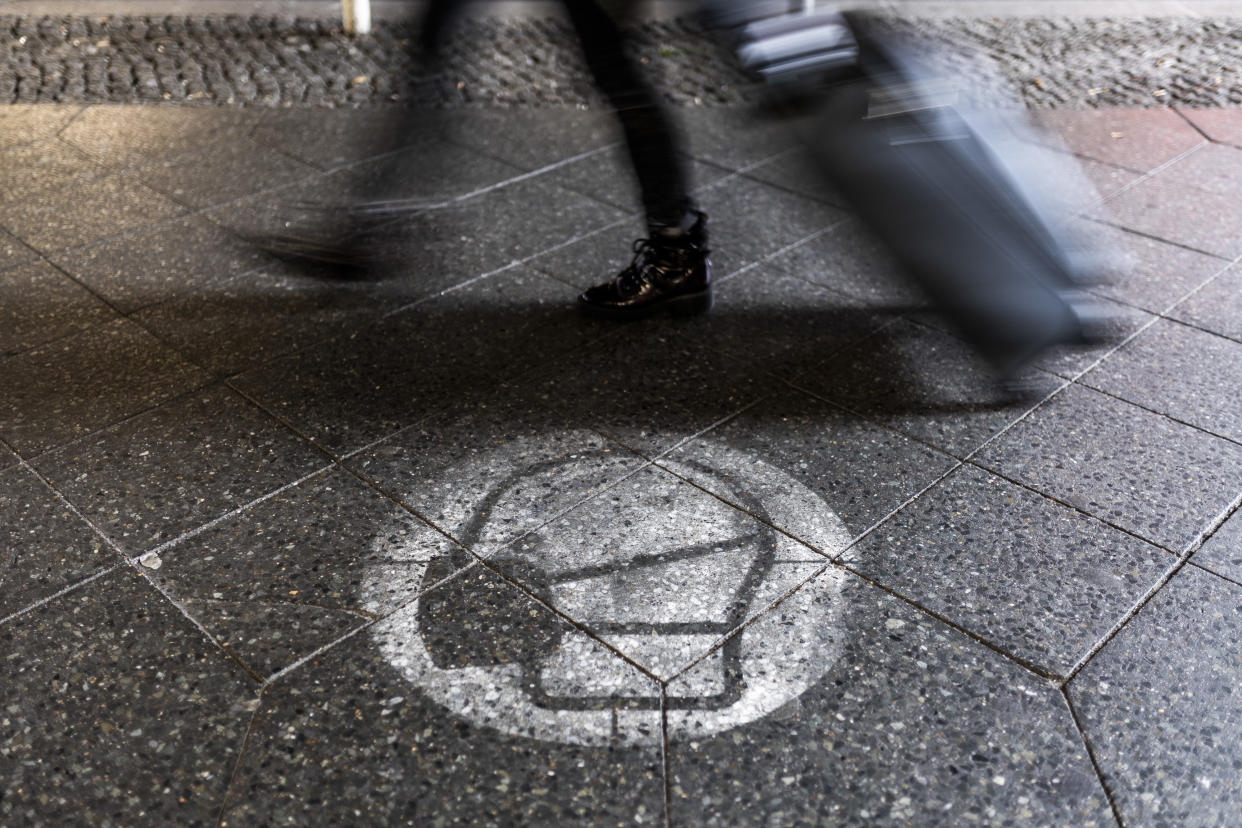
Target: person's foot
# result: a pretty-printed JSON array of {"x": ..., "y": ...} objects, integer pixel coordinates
[{"x": 670, "y": 272}]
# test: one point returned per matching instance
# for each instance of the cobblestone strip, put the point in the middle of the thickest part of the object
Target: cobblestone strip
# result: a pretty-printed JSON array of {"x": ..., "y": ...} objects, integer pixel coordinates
[{"x": 285, "y": 61}]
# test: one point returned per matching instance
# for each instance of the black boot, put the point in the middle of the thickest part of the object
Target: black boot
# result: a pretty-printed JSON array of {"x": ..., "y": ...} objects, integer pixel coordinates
[{"x": 670, "y": 272}]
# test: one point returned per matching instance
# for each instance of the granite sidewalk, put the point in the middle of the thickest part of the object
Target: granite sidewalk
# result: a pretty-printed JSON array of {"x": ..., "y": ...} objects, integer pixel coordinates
[{"x": 434, "y": 549}]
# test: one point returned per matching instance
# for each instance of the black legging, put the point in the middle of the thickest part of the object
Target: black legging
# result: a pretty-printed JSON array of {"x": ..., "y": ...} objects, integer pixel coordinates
[{"x": 649, "y": 133}]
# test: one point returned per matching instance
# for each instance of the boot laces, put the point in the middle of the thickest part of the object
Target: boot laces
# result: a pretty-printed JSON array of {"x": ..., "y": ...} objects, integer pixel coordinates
[{"x": 650, "y": 263}]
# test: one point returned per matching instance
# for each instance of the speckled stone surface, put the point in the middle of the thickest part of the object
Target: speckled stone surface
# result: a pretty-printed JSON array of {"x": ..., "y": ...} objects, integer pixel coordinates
[
  {"x": 1185, "y": 373},
  {"x": 44, "y": 546},
  {"x": 1217, "y": 307},
  {"x": 1223, "y": 551},
  {"x": 856, "y": 471},
  {"x": 151, "y": 478},
  {"x": 13, "y": 251},
  {"x": 160, "y": 264},
  {"x": 1172, "y": 211},
  {"x": 82, "y": 212},
  {"x": 605, "y": 176},
  {"x": 662, "y": 570},
  {"x": 24, "y": 123},
  {"x": 78, "y": 384},
  {"x": 220, "y": 171},
  {"x": 489, "y": 472},
  {"x": 280, "y": 579},
  {"x": 39, "y": 304},
  {"x": 132, "y": 136},
  {"x": 116, "y": 709},
  {"x": 650, "y": 387},
  {"x": 1162, "y": 480},
  {"x": 1140, "y": 140},
  {"x": 377, "y": 744},
  {"x": 531, "y": 139},
  {"x": 1119, "y": 322},
  {"x": 922, "y": 382},
  {"x": 331, "y": 138},
  {"x": 908, "y": 723},
  {"x": 1154, "y": 274},
  {"x": 27, "y": 170},
  {"x": 1039, "y": 580},
  {"x": 1160, "y": 706}
]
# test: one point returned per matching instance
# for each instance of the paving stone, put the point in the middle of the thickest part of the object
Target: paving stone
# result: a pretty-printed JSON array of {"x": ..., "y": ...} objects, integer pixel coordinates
[
  {"x": 7, "y": 458},
  {"x": 28, "y": 169},
  {"x": 608, "y": 176},
  {"x": 649, "y": 387},
  {"x": 1038, "y": 580},
  {"x": 1223, "y": 125},
  {"x": 779, "y": 323},
  {"x": 1152, "y": 274},
  {"x": 75, "y": 214},
  {"x": 13, "y": 252},
  {"x": 172, "y": 469},
  {"x": 132, "y": 136},
  {"x": 597, "y": 256},
  {"x": 1214, "y": 168},
  {"x": 489, "y": 472},
  {"x": 75, "y": 385},
  {"x": 1163, "y": 209},
  {"x": 259, "y": 316},
  {"x": 431, "y": 171},
  {"x": 1118, "y": 322},
  {"x": 885, "y": 717},
  {"x": 522, "y": 743},
  {"x": 44, "y": 546},
  {"x": 795, "y": 170},
  {"x": 752, "y": 220},
  {"x": 1217, "y": 307},
  {"x": 1108, "y": 179},
  {"x": 27, "y": 123},
  {"x": 734, "y": 138},
  {"x": 535, "y": 138},
  {"x": 1178, "y": 371},
  {"x": 115, "y": 704},
  {"x": 331, "y": 138},
  {"x": 38, "y": 304},
  {"x": 825, "y": 476},
  {"x": 1139, "y": 140},
  {"x": 220, "y": 171},
  {"x": 185, "y": 257},
  {"x": 1223, "y": 551},
  {"x": 1161, "y": 480},
  {"x": 849, "y": 259},
  {"x": 922, "y": 382},
  {"x": 1160, "y": 707},
  {"x": 280, "y": 580}
]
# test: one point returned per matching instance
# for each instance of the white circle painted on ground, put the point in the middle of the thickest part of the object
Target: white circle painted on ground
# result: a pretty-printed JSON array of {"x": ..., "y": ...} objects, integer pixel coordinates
[{"x": 683, "y": 572}]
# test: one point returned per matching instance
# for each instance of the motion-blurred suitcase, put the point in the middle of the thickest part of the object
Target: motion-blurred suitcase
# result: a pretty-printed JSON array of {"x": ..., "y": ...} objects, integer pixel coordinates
[{"x": 924, "y": 175}]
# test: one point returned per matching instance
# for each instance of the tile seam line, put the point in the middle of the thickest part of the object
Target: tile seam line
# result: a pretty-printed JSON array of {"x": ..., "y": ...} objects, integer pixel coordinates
[
  {"x": 243, "y": 752},
  {"x": 1151, "y": 173},
  {"x": 665, "y": 762},
  {"x": 42, "y": 602},
  {"x": 1113, "y": 225},
  {"x": 1205, "y": 568},
  {"x": 1091, "y": 757},
  {"x": 1184, "y": 558},
  {"x": 1237, "y": 441}
]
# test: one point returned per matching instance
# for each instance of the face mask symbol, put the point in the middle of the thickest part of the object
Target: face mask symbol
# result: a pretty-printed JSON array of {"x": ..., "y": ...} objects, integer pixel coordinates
[{"x": 665, "y": 585}]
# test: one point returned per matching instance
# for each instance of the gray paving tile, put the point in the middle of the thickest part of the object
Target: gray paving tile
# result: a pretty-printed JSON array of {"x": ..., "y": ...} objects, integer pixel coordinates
[
  {"x": 1119, "y": 322},
  {"x": 1039, "y": 580},
  {"x": 38, "y": 304},
  {"x": 222, "y": 171},
  {"x": 132, "y": 136},
  {"x": 81, "y": 383},
  {"x": 474, "y": 705},
  {"x": 533, "y": 138},
  {"x": 597, "y": 257},
  {"x": 1138, "y": 139},
  {"x": 26, "y": 123},
  {"x": 28, "y": 169},
  {"x": 116, "y": 708},
  {"x": 848, "y": 259},
  {"x": 1223, "y": 551},
  {"x": 44, "y": 546},
  {"x": 1153, "y": 274},
  {"x": 649, "y": 387},
  {"x": 609, "y": 177},
  {"x": 922, "y": 382},
  {"x": 1107, "y": 179},
  {"x": 795, "y": 170},
  {"x": 1214, "y": 168},
  {"x": 75, "y": 214},
  {"x": 857, "y": 710},
  {"x": 431, "y": 171},
  {"x": 751, "y": 220},
  {"x": 660, "y": 569},
  {"x": 185, "y": 257},
  {"x": 330, "y": 138},
  {"x": 734, "y": 138},
  {"x": 1162, "y": 480},
  {"x": 13, "y": 252},
  {"x": 259, "y": 316},
  {"x": 1175, "y": 212},
  {"x": 823, "y": 475},
  {"x": 1222, "y": 125},
  {"x": 177, "y": 467},
  {"x": 1179, "y": 371},
  {"x": 1160, "y": 706},
  {"x": 489, "y": 472},
  {"x": 278, "y": 581},
  {"x": 1217, "y": 307},
  {"x": 7, "y": 458}
]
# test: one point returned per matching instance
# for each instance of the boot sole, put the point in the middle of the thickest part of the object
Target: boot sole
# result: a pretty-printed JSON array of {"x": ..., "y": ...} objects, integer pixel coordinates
[{"x": 690, "y": 304}]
